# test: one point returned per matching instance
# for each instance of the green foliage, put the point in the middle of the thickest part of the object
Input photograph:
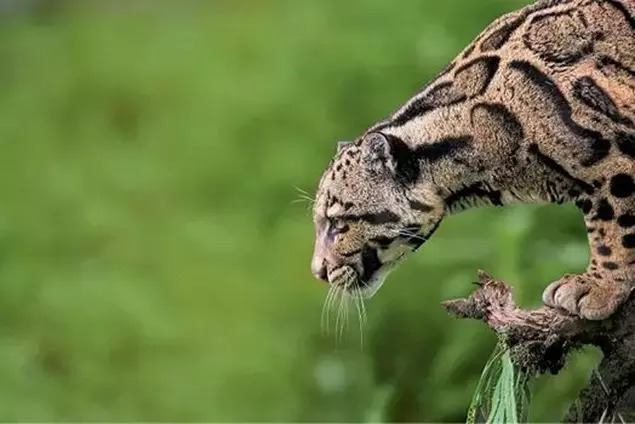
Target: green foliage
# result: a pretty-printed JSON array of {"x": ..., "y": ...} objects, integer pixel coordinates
[
  {"x": 502, "y": 394},
  {"x": 154, "y": 264}
]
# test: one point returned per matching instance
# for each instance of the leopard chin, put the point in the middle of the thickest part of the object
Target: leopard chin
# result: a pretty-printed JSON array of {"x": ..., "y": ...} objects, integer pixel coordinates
[{"x": 371, "y": 287}]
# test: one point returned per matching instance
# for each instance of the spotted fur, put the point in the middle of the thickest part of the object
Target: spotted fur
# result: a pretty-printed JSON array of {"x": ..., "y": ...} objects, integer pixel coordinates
[{"x": 539, "y": 108}]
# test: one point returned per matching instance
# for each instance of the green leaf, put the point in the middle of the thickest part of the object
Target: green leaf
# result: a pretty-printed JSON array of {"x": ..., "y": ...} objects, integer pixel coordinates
[{"x": 502, "y": 394}]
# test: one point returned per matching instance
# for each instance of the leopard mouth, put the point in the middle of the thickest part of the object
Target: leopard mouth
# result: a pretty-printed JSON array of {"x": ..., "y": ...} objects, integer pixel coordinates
[
  {"x": 367, "y": 283},
  {"x": 369, "y": 287}
]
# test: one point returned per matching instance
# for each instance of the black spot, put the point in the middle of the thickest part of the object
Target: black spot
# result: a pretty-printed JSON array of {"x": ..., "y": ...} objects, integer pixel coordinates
[
  {"x": 383, "y": 217},
  {"x": 495, "y": 198},
  {"x": 489, "y": 62},
  {"x": 407, "y": 165},
  {"x": 552, "y": 46},
  {"x": 348, "y": 205},
  {"x": 607, "y": 63},
  {"x": 584, "y": 21},
  {"x": 597, "y": 275},
  {"x": 332, "y": 230},
  {"x": 420, "y": 206},
  {"x": 338, "y": 168},
  {"x": 599, "y": 146},
  {"x": 626, "y": 143},
  {"x": 604, "y": 211},
  {"x": 446, "y": 93},
  {"x": 600, "y": 149},
  {"x": 590, "y": 229},
  {"x": 589, "y": 93},
  {"x": 610, "y": 265},
  {"x": 556, "y": 167},
  {"x": 622, "y": 185},
  {"x": 626, "y": 220},
  {"x": 584, "y": 205},
  {"x": 436, "y": 150},
  {"x": 624, "y": 11},
  {"x": 331, "y": 200},
  {"x": 604, "y": 250},
  {"x": 370, "y": 263},
  {"x": 499, "y": 37},
  {"x": 383, "y": 241},
  {"x": 476, "y": 75},
  {"x": 442, "y": 94},
  {"x": 347, "y": 162},
  {"x": 474, "y": 190},
  {"x": 504, "y": 117},
  {"x": 602, "y": 232},
  {"x": 468, "y": 51},
  {"x": 628, "y": 241},
  {"x": 351, "y": 253}
]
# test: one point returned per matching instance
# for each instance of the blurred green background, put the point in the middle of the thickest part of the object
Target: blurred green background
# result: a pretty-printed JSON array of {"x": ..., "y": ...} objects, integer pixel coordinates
[{"x": 154, "y": 263}]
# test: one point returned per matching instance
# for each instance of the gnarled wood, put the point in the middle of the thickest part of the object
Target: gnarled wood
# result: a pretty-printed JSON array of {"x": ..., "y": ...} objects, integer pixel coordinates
[{"x": 540, "y": 340}]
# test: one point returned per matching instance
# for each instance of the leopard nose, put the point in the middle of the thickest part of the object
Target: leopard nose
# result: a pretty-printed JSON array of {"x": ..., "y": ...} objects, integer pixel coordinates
[{"x": 318, "y": 268}]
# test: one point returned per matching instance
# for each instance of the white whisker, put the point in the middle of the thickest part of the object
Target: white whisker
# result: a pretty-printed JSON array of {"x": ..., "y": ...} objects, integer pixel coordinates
[
  {"x": 406, "y": 233},
  {"x": 338, "y": 315},
  {"x": 363, "y": 305},
  {"x": 324, "y": 316},
  {"x": 299, "y": 190},
  {"x": 347, "y": 302},
  {"x": 342, "y": 313},
  {"x": 303, "y": 196},
  {"x": 345, "y": 306},
  {"x": 301, "y": 200},
  {"x": 357, "y": 300},
  {"x": 330, "y": 305},
  {"x": 338, "y": 303}
]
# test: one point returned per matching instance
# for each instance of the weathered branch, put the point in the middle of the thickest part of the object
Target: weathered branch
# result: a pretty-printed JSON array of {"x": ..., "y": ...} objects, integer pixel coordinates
[{"x": 540, "y": 340}]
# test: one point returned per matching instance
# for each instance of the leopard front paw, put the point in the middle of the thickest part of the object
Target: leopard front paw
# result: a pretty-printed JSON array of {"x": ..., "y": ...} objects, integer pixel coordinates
[{"x": 586, "y": 297}]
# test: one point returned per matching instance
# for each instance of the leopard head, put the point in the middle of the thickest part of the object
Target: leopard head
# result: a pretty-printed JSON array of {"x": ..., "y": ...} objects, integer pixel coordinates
[{"x": 374, "y": 205}]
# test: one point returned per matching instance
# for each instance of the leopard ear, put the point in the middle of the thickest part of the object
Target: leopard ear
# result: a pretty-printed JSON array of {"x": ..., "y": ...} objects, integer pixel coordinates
[
  {"x": 342, "y": 144},
  {"x": 385, "y": 152},
  {"x": 376, "y": 152}
]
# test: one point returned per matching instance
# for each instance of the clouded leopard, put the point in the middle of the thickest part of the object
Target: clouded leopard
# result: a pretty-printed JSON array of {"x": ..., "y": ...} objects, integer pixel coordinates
[{"x": 539, "y": 108}]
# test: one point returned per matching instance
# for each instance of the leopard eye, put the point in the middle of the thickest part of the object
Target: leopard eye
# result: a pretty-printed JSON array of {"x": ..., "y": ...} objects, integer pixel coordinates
[{"x": 336, "y": 228}]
